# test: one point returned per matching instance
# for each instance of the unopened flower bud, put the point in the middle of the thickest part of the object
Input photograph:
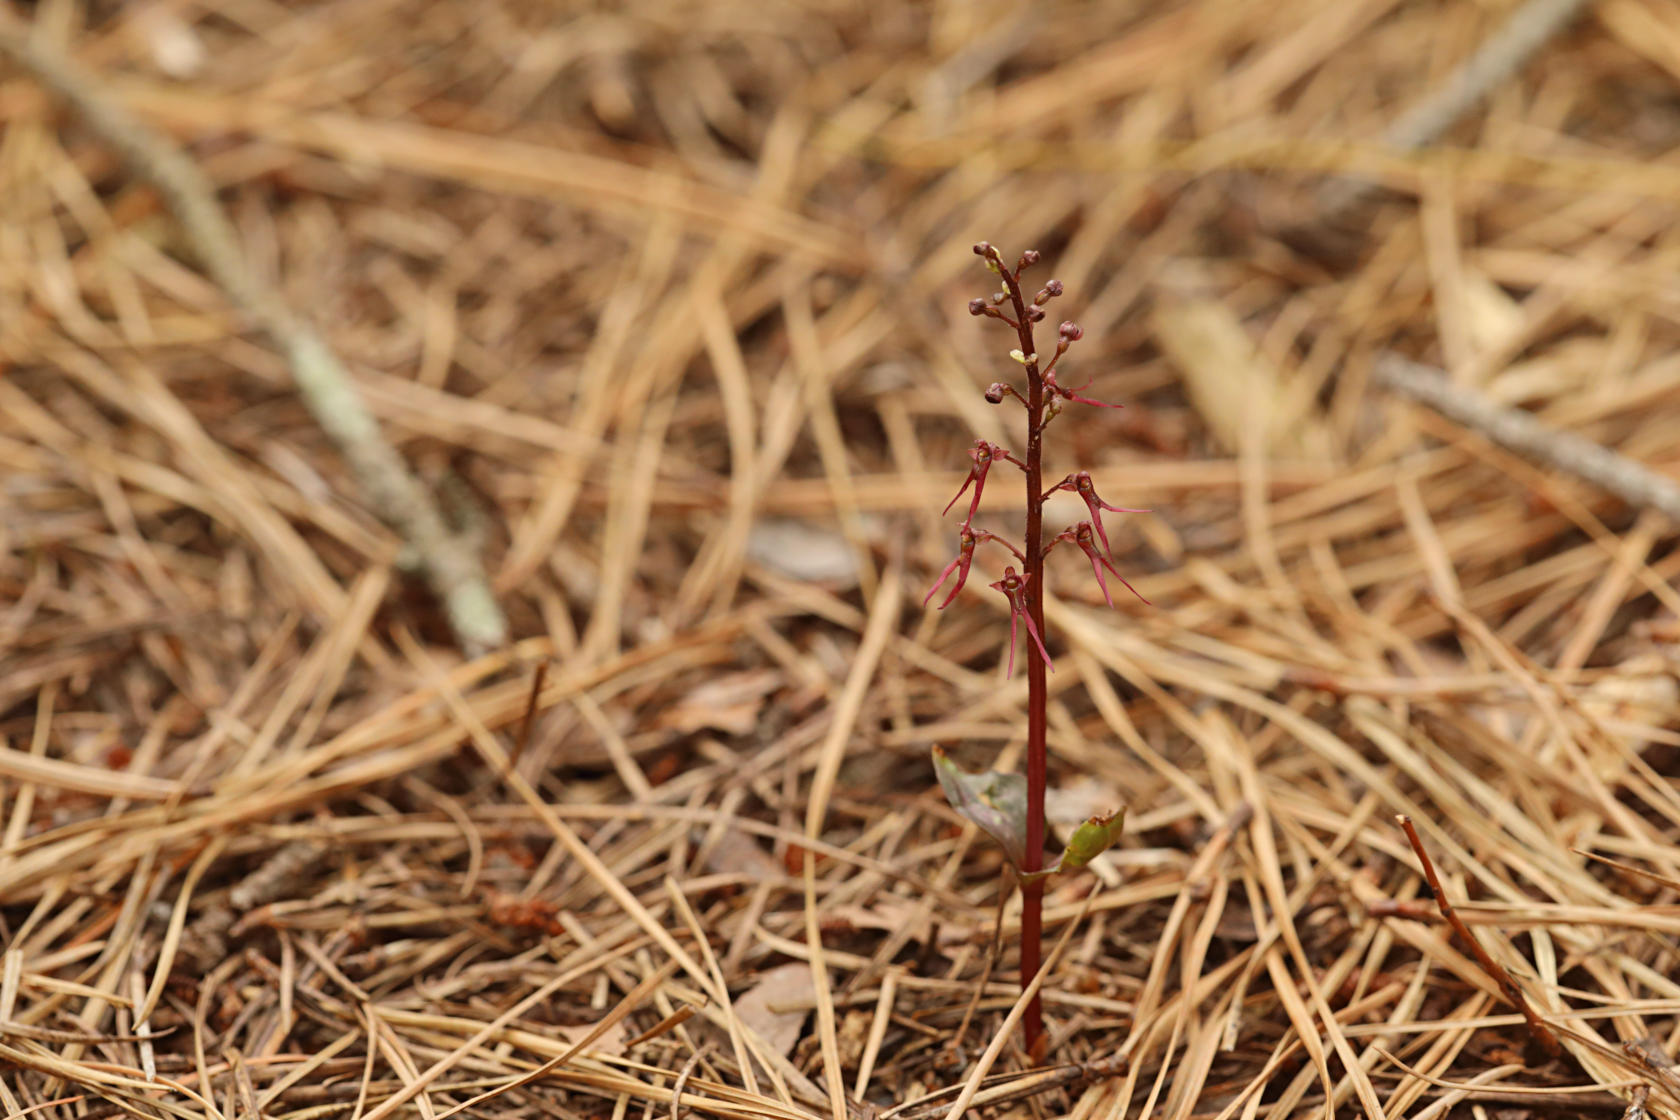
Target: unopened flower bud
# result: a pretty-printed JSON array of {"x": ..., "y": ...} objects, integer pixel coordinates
[
  {"x": 999, "y": 297},
  {"x": 976, "y": 306},
  {"x": 1035, "y": 314},
  {"x": 1071, "y": 332},
  {"x": 995, "y": 392},
  {"x": 1028, "y": 258},
  {"x": 982, "y": 248}
]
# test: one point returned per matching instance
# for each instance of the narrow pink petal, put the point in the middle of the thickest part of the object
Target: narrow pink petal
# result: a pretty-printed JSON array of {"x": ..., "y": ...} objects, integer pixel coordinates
[
  {"x": 1123, "y": 580},
  {"x": 978, "y": 473},
  {"x": 943, "y": 576},
  {"x": 1096, "y": 571},
  {"x": 1033, "y": 630},
  {"x": 1094, "y": 505},
  {"x": 958, "y": 494},
  {"x": 962, "y": 578}
]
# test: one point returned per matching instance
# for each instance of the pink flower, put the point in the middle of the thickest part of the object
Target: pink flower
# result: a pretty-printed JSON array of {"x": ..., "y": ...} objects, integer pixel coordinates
[
  {"x": 1082, "y": 485},
  {"x": 1072, "y": 394},
  {"x": 984, "y": 453},
  {"x": 967, "y": 538},
  {"x": 1082, "y": 536},
  {"x": 1014, "y": 587}
]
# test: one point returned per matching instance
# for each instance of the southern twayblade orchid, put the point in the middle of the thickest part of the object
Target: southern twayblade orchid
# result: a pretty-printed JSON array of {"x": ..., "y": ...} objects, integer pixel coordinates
[
  {"x": 967, "y": 538},
  {"x": 1012, "y": 808},
  {"x": 1014, "y": 587},
  {"x": 1081, "y": 484},
  {"x": 1082, "y": 536},
  {"x": 984, "y": 453}
]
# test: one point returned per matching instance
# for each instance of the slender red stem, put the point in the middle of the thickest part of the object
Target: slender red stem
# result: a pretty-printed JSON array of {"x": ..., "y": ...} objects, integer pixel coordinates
[{"x": 1032, "y": 893}]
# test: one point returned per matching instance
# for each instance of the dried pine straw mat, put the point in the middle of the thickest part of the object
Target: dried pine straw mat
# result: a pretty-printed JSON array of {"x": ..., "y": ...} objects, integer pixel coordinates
[{"x": 665, "y": 304}]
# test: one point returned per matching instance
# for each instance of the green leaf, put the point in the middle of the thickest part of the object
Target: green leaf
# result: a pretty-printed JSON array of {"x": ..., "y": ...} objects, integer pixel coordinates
[
  {"x": 1091, "y": 839},
  {"x": 995, "y": 801}
]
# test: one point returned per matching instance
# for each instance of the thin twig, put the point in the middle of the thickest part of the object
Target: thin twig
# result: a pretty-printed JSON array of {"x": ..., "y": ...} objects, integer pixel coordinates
[
  {"x": 1648, "y": 1052},
  {"x": 682, "y": 1081},
  {"x": 1500, "y": 56},
  {"x": 1503, "y": 53},
  {"x": 1537, "y": 1029},
  {"x": 452, "y": 570},
  {"x": 1518, "y": 431}
]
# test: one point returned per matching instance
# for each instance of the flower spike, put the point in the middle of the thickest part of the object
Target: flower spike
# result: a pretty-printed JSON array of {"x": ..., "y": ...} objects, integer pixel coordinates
[
  {"x": 1082, "y": 536},
  {"x": 1014, "y": 588},
  {"x": 984, "y": 453},
  {"x": 1082, "y": 485}
]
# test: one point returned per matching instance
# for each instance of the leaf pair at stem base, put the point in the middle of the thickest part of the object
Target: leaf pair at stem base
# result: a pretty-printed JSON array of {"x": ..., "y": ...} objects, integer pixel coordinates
[{"x": 997, "y": 803}]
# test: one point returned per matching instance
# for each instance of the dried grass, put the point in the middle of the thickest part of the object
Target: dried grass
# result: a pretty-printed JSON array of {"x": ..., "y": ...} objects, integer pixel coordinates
[{"x": 666, "y": 303}]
